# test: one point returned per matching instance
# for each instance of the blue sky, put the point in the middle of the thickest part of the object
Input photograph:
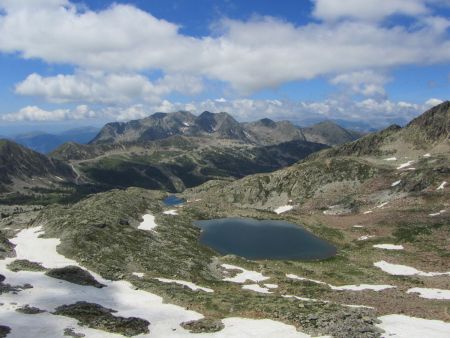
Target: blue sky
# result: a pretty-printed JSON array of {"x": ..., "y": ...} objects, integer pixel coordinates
[{"x": 70, "y": 63}]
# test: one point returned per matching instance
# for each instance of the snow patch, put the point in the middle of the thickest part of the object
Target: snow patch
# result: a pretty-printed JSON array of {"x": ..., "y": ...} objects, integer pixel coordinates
[
  {"x": 48, "y": 293},
  {"x": 404, "y": 270},
  {"x": 283, "y": 208},
  {"x": 367, "y": 212},
  {"x": 244, "y": 275},
  {"x": 365, "y": 237},
  {"x": 441, "y": 187},
  {"x": 437, "y": 213},
  {"x": 190, "y": 285},
  {"x": 405, "y": 165},
  {"x": 172, "y": 212},
  {"x": 148, "y": 223},
  {"x": 358, "y": 226},
  {"x": 431, "y": 293},
  {"x": 271, "y": 286},
  {"x": 256, "y": 288},
  {"x": 396, "y": 183},
  {"x": 389, "y": 246},
  {"x": 391, "y": 159},
  {"x": 138, "y": 274},
  {"x": 401, "y": 326},
  {"x": 427, "y": 155},
  {"x": 382, "y": 204},
  {"x": 359, "y": 287}
]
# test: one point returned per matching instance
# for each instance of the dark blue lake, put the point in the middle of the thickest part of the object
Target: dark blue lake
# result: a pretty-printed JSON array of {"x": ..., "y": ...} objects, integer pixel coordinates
[
  {"x": 267, "y": 239},
  {"x": 173, "y": 200}
]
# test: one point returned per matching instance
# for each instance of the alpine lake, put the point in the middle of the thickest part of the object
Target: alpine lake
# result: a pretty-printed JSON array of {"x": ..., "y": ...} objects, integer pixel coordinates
[{"x": 263, "y": 239}]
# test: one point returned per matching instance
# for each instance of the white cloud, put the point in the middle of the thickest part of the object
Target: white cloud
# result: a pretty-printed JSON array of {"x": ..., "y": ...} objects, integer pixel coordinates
[
  {"x": 99, "y": 87},
  {"x": 433, "y": 102},
  {"x": 331, "y": 10},
  {"x": 367, "y": 83},
  {"x": 374, "y": 112},
  {"x": 248, "y": 55},
  {"x": 33, "y": 113}
]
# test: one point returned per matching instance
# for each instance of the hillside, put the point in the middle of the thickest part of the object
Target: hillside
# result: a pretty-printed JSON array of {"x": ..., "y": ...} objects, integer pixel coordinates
[
  {"x": 21, "y": 167},
  {"x": 178, "y": 162}
]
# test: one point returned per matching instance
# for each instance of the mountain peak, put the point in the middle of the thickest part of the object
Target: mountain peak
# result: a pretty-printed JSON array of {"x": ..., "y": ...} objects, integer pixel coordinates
[{"x": 431, "y": 126}]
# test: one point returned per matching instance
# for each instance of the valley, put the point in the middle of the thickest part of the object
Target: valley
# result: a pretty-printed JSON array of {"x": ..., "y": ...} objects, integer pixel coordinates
[{"x": 381, "y": 200}]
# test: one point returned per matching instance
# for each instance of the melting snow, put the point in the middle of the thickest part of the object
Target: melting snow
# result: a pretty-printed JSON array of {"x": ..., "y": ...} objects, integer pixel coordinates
[
  {"x": 138, "y": 274},
  {"x": 401, "y": 326},
  {"x": 431, "y": 293},
  {"x": 364, "y": 238},
  {"x": 48, "y": 293},
  {"x": 283, "y": 208},
  {"x": 396, "y": 183},
  {"x": 172, "y": 212},
  {"x": 244, "y": 275},
  {"x": 148, "y": 223},
  {"x": 404, "y": 165},
  {"x": 403, "y": 270},
  {"x": 389, "y": 246},
  {"x": 441, "y": 187},
  {"x": 256, "y": 288},
  {"x": 359, "y": 287},
  {"x": 382, "y": 204},
  {"x": 271, "y": 286},
  {"x": 190, "y": 285},
  {"x": 437, "y": 213}
]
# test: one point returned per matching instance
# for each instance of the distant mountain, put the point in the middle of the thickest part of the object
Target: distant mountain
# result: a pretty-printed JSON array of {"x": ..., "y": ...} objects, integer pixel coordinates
[
  {"x": 329, "y": 132},
  {"x": 416, "y": 157},
  {"x": 20, "y": 167},
  {"x": 220, "y": 126},
  {"x": 46, "y": 142},
  {"x": 162, "y": 125},
  {"x": 271, "y": 132}
]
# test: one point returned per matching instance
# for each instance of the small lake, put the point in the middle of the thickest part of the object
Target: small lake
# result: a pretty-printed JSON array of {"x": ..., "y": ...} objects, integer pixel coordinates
[
  {"x": 266, "y": 239},
  {"x": 173, "y": 200}
]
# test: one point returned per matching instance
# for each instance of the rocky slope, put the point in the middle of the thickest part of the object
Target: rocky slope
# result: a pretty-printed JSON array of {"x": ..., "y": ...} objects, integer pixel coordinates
[{"x": 21, "y": 167}]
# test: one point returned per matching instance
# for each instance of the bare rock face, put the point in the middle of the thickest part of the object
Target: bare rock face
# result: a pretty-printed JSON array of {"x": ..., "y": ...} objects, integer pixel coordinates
[{"x": 98, "y": 317}]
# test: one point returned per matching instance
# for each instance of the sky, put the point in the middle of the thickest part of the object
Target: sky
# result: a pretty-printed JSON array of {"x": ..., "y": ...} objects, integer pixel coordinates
[{"x": 68, "y": 63}]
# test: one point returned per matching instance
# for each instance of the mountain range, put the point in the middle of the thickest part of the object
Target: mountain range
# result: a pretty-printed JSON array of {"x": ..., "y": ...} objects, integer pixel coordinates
[
  {"x": 220, "y": 126},
  {"x": 46, "y": 142}
]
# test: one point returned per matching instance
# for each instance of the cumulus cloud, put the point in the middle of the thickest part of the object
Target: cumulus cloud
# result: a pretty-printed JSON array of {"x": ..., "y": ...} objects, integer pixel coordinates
[
  {"x": 248, "y": 55},
  {"x": 376, "y": 113},
  {"x": 367, "y": 83},
  {"x": 33, "y": 113},
  {"x": 331, "y": 10},
  {"x": 100, "y": 87}
]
